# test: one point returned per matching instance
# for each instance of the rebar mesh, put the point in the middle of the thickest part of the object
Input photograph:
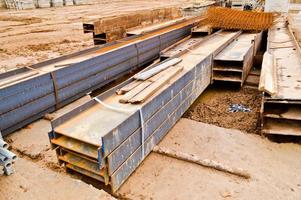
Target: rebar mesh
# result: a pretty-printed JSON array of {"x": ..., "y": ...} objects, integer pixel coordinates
[{"x": 226, "y": 18}]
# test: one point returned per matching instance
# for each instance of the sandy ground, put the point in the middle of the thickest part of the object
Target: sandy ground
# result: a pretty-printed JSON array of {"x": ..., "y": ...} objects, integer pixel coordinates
[
  {"x": 31, "y": 36},
  {"x": 34, "y": 182},
  {"x": 274, "y": 167}
]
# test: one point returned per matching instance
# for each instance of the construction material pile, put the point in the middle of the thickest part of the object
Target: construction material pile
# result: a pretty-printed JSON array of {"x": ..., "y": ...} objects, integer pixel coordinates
[
  {"x": 27, "y": 94},
  {"x": 107, "y": 140},
  {"x": 280, "y": 82},
  {"x": 6, "y": 157},
  {"x": 226, "y": 18},
  {"x": 111, "y": 28},
  {"x": 148, "y": 82}
]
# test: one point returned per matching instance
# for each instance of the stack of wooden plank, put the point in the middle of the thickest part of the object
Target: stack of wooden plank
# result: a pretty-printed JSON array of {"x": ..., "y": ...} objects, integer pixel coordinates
[
  {"x": 281, "y": 83},
  {"x": 107, "y": 140},
  {"x": 148, "y": 82},
  {"x": 234, "y": 62}
]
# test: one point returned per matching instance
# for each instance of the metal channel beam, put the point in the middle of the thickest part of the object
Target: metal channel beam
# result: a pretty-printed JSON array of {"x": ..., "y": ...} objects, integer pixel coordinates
[
  {"x": 125, "y": 134},
  {"x": 281, "y": 104},
  {"x": 66, "y": 77},
  {"x": 200, "y": 84},
  {"x": 202, "y": 73},
  {"x": 70, "y": 82},
  {"x": 235, "y": 61}
]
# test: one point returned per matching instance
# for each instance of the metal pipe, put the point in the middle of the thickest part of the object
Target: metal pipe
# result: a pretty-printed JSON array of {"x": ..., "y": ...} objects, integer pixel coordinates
[
  {"x": 3, "y": 158},
  {"x": 8, "y": 154},
  {"x": 3, "y": 144}
]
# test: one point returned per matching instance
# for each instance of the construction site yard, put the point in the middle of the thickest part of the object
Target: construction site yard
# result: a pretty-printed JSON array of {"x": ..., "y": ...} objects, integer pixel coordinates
[
  {"x": 28, "y": 37},
  {"x": 208, "y": 129}
]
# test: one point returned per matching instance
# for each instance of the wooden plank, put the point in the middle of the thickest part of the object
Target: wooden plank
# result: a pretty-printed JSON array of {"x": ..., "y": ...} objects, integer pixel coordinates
[
  {"x": 129, "y": 95},
  {"x": 128, "y": 87},
  {"x": 141, "y": 87},
  {"x": 134, "y": 83},
  {"x": 156, "y": 85},
  {"x": 157, "y": 69}
]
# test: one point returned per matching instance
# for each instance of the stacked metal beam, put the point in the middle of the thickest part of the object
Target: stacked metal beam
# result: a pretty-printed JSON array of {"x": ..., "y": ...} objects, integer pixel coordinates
[
  {"x": 7, "y": 158},
  {"x": 28, "y": 94},
  {"x": 281, "y": 83},
  {"x": 234, "y": 62},
  {"x": 107, "y": 140}
]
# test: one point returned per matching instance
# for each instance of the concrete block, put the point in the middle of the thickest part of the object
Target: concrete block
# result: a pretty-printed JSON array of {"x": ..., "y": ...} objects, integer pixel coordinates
[
  {"x": 79, "y": 2},
  {"x": 43, "y": 3},
  {"x": 56, "y": 3},
  {"x": 27, "y": 4},
  {"x": 68, "y": 2}
]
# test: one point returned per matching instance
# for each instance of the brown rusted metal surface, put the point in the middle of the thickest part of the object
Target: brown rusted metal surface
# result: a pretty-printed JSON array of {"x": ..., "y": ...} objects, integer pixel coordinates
[
  {"x": 226, "y": 18},
  {"x": 114, "y": 27}
]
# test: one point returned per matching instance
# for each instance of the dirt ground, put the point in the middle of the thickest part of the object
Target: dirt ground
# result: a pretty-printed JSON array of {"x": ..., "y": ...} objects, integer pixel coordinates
[
  {"x": 274, "y": 168},
  {"x": 34, "y": 182},
  {"x": 213, "y": 107},
  {"x": 31, "y": 36}
]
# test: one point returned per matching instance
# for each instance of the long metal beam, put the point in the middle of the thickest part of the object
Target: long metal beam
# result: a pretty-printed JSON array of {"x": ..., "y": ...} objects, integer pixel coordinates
[
  {"x": 116, "y": 136},
  {"x": 234, "y": 62},
  {"x": 61, "y": 80},
  {"x": 280, "y": 83}
]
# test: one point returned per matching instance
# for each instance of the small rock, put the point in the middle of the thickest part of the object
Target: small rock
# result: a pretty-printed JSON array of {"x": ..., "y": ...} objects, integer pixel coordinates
[{"x": 226, "y": 194}]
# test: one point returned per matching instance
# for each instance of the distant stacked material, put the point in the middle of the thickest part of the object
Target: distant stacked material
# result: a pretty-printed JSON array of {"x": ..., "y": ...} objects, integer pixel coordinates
[
  {"x": 25, "y": 4},
  {"x": 79, "y": 2},
  {"x": 226, "y": 18},
  {"x": 2, "y": 4},
  {"x": 56, "y": 3},
  {"x": 43, "y": 4},
  {"x": 7, "y": 158},
  {"x": 68, "y": 2}
]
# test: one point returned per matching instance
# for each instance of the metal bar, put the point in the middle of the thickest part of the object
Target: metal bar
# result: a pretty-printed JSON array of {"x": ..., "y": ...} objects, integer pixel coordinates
[
  {"x": 120, "y": 140},
  {"x": 68, "y": 76},
  {"x": 280, "y": 111}
]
